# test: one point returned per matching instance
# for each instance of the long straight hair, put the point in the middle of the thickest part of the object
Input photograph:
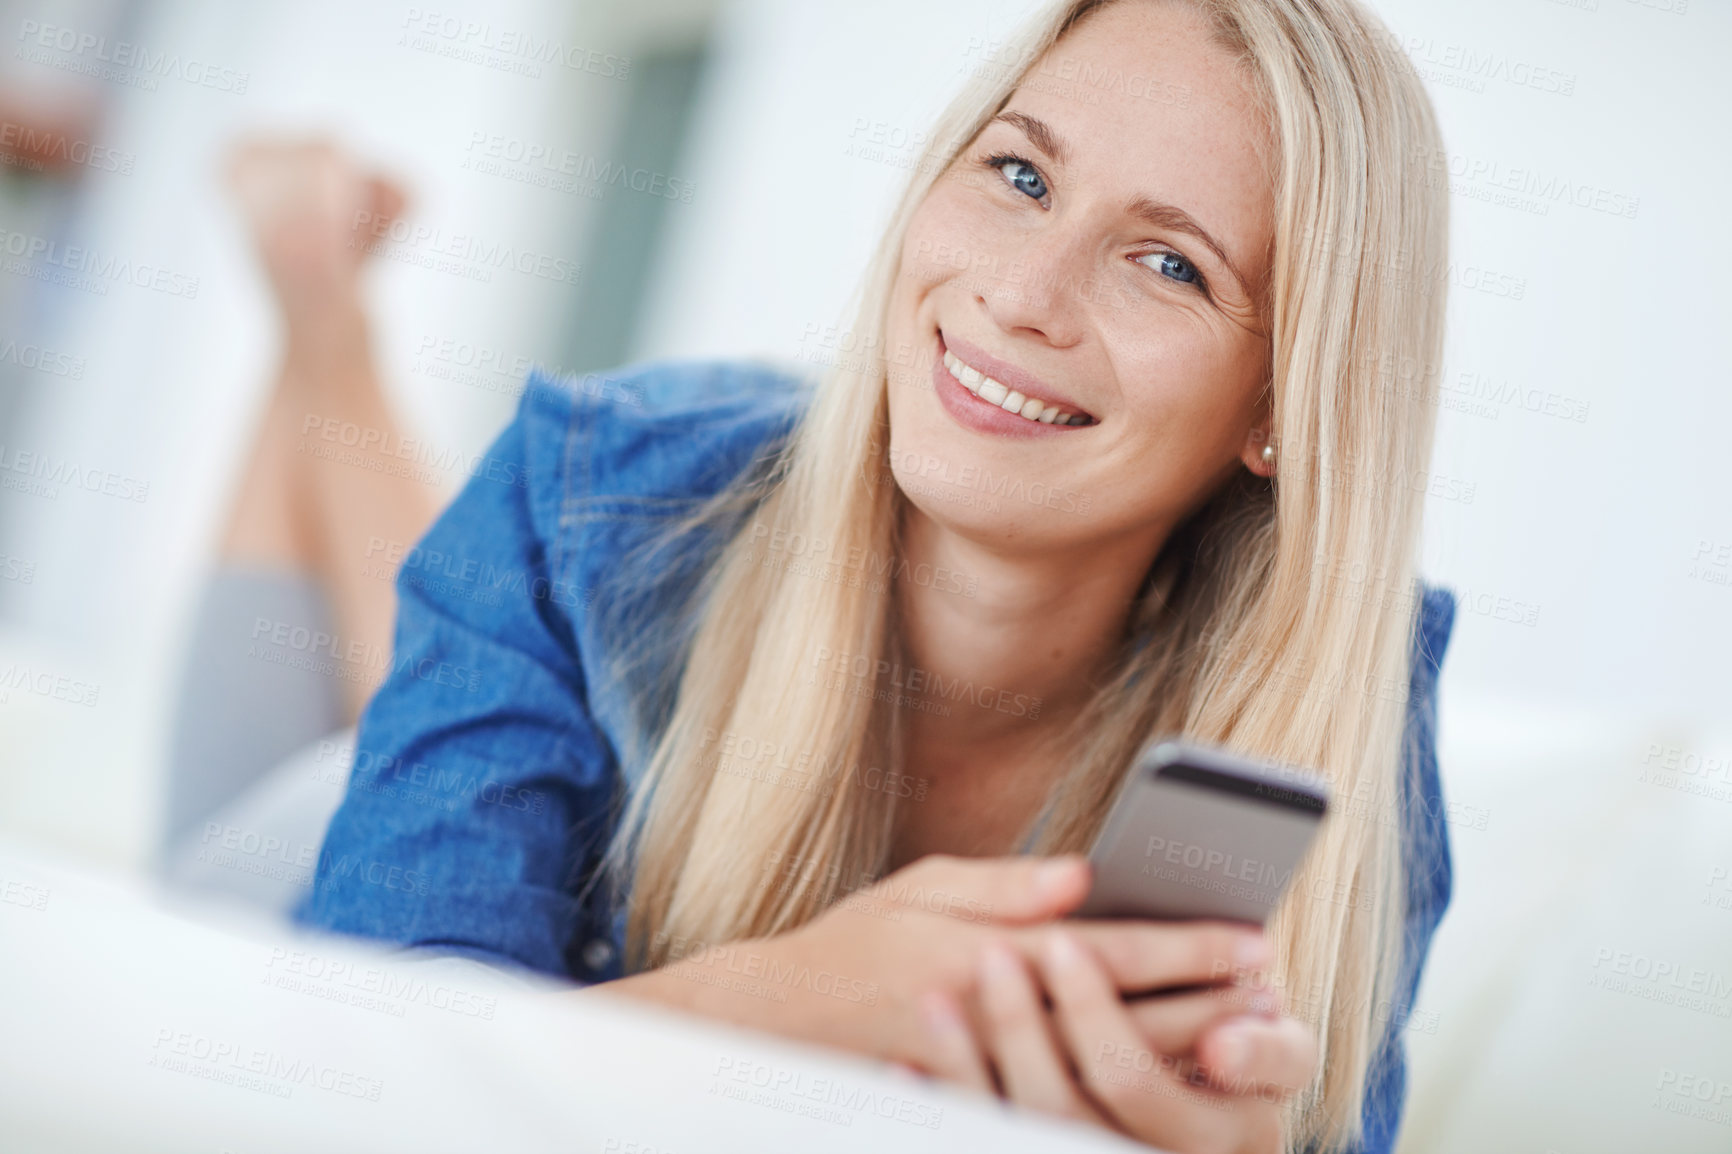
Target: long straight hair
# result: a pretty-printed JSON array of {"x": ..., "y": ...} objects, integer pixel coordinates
[{"x": 1276, "y": 621}]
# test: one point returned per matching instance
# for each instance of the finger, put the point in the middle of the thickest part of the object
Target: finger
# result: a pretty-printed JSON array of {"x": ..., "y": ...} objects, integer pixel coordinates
[
  {"x": 1254, "y": 1056},
  {"x": 1173, "y": 1023},
  {"x": 1032, "y": 1065},
  {"x": 951, "y": 1051},
  {"x": 1010, "y": 890},
  {"x": 1139, "y": 1090},
  {"x": 1144, "y": 956}
]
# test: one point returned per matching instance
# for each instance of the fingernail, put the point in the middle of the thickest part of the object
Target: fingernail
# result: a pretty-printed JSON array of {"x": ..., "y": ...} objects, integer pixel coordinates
[
  {"x": 1063, "y": 951},
  {"x": 997, "y": 964},
  {"x": 941, "y": 1016},
  {"x": 1230, "y": 1047},
  {"x": 1054, "y": 877},
  {"x": 1251, "y": 952}
]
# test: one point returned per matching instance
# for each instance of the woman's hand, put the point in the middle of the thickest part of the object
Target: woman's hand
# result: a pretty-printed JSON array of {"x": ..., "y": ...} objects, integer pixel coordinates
[
  {"x": 858, "y": 976},
  {"x": 1198, "y": 1073}
]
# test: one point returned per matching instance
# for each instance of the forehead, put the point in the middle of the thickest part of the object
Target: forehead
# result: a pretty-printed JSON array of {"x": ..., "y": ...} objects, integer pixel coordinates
[{"x": 1150, "y": 105}]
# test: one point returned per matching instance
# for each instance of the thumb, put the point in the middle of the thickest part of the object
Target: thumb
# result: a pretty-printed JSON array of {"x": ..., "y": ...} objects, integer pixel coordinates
[{"x": 1010, "y": 890}]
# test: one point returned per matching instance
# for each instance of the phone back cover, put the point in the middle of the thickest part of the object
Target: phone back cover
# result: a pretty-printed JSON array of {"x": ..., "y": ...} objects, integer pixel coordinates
[{"x": 1187, "y": 851}]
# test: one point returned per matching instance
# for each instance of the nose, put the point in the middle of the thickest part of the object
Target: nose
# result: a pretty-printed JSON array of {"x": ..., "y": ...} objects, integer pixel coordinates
[{"x": 1040, "y": 289}]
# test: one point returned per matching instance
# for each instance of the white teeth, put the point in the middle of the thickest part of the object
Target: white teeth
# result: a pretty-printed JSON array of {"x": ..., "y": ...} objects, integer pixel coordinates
[{"x": 1007, "y": 399}]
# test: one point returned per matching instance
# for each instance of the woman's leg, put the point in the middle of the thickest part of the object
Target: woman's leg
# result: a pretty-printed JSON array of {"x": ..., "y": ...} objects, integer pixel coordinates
[
  {"x": 293, "y": 630},
  {"x": 330, "y": 438}
]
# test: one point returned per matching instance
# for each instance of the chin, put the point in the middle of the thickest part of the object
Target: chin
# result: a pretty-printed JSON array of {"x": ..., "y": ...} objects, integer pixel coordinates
[{"x": 963, "y": 486}]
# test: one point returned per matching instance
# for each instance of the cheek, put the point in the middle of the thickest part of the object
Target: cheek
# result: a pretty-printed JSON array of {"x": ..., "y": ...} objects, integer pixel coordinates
[
  {"x": 946, "y": 241},
  {"x": 928, "y": 260},
  {"x": 1190, "y": 377}
]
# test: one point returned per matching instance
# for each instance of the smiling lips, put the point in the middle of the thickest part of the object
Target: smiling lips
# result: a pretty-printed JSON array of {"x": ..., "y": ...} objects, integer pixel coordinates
[{"x": 1008, "y": 399}]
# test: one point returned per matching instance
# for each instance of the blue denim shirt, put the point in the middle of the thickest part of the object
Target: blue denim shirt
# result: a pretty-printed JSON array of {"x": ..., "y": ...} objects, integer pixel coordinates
[{"x": 490, "y": 765}]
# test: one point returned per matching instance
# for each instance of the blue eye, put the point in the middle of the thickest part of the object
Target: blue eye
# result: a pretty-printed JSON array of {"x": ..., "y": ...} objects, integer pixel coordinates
[
  {"x": 1028, "y": 180},
  {"x": 1175, "y": 267}
]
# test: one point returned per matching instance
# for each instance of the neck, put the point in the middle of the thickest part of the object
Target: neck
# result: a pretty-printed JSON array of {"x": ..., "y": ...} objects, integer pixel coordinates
[{"x": 1026, "y": 648}]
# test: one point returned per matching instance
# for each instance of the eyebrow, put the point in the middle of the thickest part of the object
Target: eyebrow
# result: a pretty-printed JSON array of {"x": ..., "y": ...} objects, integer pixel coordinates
[{"x": 1144, "y": 208}]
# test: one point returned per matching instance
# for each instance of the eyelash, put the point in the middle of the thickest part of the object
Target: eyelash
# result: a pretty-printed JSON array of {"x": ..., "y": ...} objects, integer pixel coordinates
[{"x": 998, "y": 160}]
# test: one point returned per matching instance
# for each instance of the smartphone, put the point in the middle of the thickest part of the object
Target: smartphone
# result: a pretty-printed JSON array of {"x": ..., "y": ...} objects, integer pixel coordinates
[{"x": 1197, "y": 832}]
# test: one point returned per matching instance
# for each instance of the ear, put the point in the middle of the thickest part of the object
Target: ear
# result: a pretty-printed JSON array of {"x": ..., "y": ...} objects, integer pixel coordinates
[{"x": 1252, "y": 452}]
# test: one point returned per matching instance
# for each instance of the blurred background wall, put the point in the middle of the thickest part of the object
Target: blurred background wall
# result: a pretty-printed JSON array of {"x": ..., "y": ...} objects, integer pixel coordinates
[
  {"x": 1581, "y": 516},
  {"x": 170, "y": 383}
]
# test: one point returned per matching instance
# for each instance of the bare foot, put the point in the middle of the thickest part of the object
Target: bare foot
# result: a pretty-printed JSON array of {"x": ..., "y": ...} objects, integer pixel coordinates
[{"x": 312, "y": 210}]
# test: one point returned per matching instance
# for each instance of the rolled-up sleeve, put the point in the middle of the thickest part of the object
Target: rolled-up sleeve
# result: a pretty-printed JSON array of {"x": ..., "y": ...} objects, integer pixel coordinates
[{"x": 481, "y": 785}]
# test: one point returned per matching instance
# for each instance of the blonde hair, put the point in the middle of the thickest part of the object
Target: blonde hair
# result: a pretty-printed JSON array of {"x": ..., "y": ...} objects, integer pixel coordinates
[{"x": 1243, "y": 634}]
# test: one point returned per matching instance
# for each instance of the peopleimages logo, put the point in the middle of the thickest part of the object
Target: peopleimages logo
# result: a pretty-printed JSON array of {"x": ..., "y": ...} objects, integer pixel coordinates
[
  {"x": 42, "y": 360},
  {"x": 120, "y": 61},
  {"x": 462, "y": 254},
  {"x": 776, "y": 547},
  {"x": 446, "y": 787},
  {"x": 863, "y": 668},
  {"x": 494, "y": 154},
  {"x": 216, "y": 1059},
  {"x": 423, "y": 568},
  {"x": 908, "y": 466},
  {"x": 89, "y": 269},
  {"x": 503, "y": 49},
  {"x": 301, "y": 647},
  {"x": 1208, "y": 859},
  {"x": 1546, "y": 187},
  {"x": 28, "y": 147},
  {"x": 740, "y": 960},
  {"x": 303, "y": 972},
  {"x": 1665, "y": 981},
  {"x": 423, "y": 459},
  {"x": 20, "y": 677},
  {"x": 825, "y": 1098},
  {"x": 806, "y": 771}
]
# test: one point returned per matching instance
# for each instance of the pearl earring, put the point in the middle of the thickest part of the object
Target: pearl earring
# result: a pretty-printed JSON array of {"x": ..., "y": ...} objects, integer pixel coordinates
[{"x": 1268, "y": 454}]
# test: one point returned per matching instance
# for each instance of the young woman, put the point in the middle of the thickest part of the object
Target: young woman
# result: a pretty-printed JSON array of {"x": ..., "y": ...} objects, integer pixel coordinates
[{"x": 794, "y": 707}]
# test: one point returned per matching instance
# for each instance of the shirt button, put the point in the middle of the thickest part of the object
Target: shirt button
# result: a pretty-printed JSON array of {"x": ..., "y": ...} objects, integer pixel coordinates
[{"x": 597, "y": 954}]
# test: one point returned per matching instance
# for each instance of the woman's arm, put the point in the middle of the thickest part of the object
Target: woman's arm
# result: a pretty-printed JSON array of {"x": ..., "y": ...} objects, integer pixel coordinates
[{"x": 481, "y": 783}]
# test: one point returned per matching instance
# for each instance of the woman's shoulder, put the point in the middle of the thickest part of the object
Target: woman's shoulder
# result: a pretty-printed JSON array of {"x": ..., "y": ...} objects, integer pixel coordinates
[{"x": 660, "y": 429}]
